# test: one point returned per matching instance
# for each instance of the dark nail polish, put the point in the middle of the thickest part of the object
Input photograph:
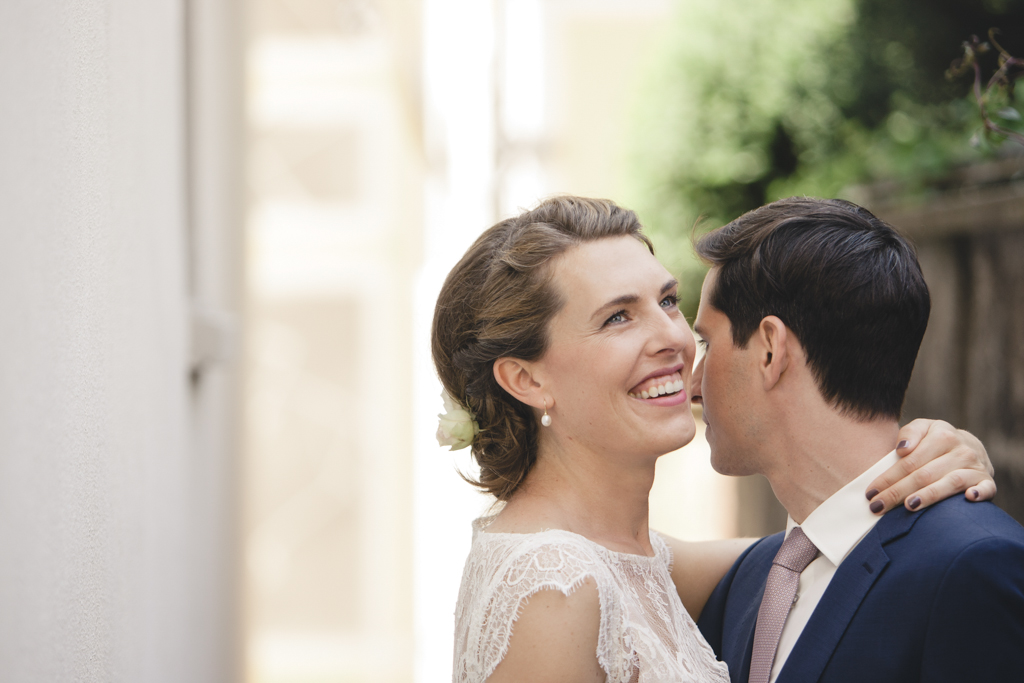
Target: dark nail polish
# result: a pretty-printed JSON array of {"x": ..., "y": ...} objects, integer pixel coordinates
[
  {"x": 902, "y": 444},
  {"x": 877, "y": 506},
  {"x": 975, "y": 495},
  {"x": 914, "y": 502},
  {"x": 871, "y": 494}
]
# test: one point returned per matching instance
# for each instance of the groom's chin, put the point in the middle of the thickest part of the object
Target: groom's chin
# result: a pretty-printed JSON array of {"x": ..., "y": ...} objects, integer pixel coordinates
[{"x": 728, "y": 463}]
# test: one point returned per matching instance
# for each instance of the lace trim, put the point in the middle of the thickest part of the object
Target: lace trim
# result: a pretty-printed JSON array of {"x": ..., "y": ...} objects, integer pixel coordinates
[{"x": 644, "y": 629}]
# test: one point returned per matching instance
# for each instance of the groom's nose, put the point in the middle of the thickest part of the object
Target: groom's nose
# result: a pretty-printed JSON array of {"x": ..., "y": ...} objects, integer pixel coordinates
[{"x": 696, "y": 395}]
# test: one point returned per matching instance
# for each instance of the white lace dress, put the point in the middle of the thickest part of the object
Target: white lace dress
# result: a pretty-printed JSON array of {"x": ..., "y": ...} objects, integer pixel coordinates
[{"x": 644, "y": 628}]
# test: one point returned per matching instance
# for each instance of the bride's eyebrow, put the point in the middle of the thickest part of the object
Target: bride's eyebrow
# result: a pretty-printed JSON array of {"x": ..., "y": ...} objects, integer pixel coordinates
[
  {"x": 627, "y": 299},
  {"x": 624, "y": 300}
]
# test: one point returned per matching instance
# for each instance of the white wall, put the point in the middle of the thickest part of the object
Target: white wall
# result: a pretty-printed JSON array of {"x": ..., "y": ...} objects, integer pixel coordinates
[{"x": 115, "y": 558}]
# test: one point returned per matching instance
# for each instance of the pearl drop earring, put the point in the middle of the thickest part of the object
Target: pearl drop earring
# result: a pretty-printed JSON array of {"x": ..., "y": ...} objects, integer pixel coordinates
[{"x": 545, "y": 419}]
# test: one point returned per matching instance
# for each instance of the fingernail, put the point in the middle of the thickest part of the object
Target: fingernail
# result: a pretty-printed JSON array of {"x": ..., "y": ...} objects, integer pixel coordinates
[
  {"x": 914, "y": 502},
  {"x": 871, "y": 494},
  {"x": 876, "y": 506},
  {"x": 975, "y": 495},
  {"x": 902, "y": 444}
]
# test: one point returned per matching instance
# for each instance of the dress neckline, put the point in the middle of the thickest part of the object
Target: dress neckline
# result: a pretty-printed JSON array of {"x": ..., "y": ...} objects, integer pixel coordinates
[{"x": 481, "y": 523}]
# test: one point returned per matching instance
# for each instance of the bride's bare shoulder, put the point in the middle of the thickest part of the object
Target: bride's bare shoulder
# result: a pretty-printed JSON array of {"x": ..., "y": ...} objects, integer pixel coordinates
[{"x": 555, "y": 639}]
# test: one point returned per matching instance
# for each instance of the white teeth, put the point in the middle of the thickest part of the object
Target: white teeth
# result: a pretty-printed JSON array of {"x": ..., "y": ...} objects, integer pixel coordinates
[{"x": 672, "y": 387}]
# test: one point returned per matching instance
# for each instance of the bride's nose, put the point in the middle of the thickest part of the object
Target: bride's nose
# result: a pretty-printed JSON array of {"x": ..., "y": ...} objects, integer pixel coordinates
[{"x": 670, "y": 336}]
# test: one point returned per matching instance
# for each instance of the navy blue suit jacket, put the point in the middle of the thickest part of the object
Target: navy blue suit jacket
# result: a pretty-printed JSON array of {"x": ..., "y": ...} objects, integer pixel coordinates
[{"x": 936, "y": 595}]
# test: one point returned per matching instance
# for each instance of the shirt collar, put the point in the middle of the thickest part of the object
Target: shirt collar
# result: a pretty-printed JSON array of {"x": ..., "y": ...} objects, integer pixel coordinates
[{"x": 837, "y": 525}]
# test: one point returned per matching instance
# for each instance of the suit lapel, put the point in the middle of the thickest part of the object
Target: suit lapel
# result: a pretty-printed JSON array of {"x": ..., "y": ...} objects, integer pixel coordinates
[
  {"x": 847, "y": 590},
  {"x": 897, "y": 523}
]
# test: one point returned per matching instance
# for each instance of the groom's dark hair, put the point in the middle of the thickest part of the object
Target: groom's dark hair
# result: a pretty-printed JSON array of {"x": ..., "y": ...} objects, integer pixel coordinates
[{"x": 845, "y": 283}]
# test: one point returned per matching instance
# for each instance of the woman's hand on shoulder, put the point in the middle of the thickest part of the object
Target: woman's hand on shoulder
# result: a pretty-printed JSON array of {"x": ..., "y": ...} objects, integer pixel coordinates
[
  {"x": 554, "y": 639},
  {"x": 937, "y": 461}
]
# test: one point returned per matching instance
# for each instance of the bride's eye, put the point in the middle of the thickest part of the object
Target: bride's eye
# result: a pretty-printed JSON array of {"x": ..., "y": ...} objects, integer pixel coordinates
[
  {"x": 670, "y": 301},
  {"x": 617, "y": 317}
]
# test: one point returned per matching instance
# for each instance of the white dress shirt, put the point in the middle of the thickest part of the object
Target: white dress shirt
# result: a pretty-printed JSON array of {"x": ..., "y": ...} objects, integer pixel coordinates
[{"x": 835, "y": 528}]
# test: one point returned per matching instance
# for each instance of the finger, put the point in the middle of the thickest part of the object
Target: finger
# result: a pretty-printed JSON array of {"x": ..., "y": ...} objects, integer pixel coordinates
[
  {"x": 932, "y": 449},
  {"x": 911, "y": 477},
  {"x": 986, "y": 490},
  {"x": 942, "y": 437},
  {"x": 914, "y": 432},
  {"x": 951, "y": 484},
  {"x": 892, "y": 476},
  {"x": 915, "y": 472},
  {"x": 978, "y": 451},
  {"x": 929, "y": 439},
  {"x": 938, "y": 442},
  {"x": 920, "y": 442}
]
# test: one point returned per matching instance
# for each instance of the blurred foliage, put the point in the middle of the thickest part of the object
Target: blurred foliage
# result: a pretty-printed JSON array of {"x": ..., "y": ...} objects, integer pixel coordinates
[
  {"x": 754, "y": 100},
  {"x": 998, "y": 91}
]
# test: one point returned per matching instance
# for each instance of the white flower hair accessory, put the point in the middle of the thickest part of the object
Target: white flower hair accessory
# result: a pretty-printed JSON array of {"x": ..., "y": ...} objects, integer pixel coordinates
[{"x": 457, "y": 426}]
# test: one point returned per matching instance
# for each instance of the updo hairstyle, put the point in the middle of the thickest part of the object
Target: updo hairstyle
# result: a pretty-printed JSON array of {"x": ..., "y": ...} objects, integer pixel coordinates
[{"x": 497, "y": 303}]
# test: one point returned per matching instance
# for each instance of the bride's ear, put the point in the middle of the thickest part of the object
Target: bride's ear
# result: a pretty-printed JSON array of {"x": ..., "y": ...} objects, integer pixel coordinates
[{"x": 516, "y": 377}]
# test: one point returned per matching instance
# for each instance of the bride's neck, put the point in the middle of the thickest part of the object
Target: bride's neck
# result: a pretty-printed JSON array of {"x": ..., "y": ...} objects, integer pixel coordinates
[{"x": 602, "y": 498}]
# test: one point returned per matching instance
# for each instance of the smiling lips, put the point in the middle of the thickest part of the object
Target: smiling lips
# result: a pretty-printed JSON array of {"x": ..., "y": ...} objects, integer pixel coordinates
[{"x": 658, "y": 386}]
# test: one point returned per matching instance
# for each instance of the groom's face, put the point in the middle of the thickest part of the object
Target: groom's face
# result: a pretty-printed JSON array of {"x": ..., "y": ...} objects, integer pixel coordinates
[{"x": 726, "y": 382}]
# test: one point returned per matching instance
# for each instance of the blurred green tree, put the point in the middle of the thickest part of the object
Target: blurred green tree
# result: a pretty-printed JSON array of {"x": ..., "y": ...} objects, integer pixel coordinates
[{"x": 754, "y": 100}]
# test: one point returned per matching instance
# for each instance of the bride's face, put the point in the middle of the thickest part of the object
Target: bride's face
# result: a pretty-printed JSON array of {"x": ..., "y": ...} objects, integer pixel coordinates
[{"x": 620, "y": 353}]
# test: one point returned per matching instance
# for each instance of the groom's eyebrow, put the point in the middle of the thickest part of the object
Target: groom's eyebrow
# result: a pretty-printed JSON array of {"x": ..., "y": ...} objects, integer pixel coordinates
[{"x": 627, "y": 299}]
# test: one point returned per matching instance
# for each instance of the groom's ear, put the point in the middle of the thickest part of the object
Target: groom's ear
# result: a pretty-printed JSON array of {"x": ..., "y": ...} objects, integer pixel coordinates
[
  {"x": 517, "y": 378},
  {"x": 772, "y": 341}
]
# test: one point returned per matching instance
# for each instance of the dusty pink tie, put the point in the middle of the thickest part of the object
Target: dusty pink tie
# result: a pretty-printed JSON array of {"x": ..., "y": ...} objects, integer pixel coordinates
[{"x": 796, "y": 553}]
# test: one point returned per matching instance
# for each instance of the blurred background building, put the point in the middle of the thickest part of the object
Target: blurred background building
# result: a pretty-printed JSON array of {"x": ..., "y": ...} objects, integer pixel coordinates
[
  {"x": 225, "y": 224},
  {"x": 384, "y": 138}
]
